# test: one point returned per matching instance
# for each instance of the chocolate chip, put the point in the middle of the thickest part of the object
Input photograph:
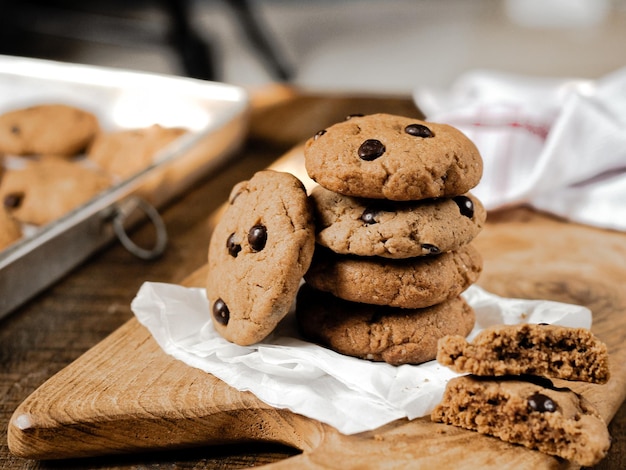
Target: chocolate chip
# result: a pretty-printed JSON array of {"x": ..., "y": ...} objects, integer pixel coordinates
[
  {"x": 418, "y": 130},
  {"x": 369, "y": 216},
  {"x": 350, "y": 116},
  {"x": 466, "y": 205},
  {"x": 371, "y": 149},
  {"x": 221, "y": 312},
  {"x": 319, "y": 134},
  {"x": 16, "y": 130},
  {"x": 430, "y": 249},
  {"x": 13, "y": 200},
  {"x": 233, "y": 247},
  {"x": 540, "y": 402},
  {"x": 257, "y": 237}
]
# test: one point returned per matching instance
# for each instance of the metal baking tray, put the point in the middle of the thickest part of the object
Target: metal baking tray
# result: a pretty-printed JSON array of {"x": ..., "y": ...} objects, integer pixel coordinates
[{"x": 216, "y": 115}]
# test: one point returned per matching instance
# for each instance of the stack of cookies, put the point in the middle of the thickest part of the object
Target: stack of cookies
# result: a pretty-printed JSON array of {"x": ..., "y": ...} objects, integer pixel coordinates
[{"x": 394, "y": 225}]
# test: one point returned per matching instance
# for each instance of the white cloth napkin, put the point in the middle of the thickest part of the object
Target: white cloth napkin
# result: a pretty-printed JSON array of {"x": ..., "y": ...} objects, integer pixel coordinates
[
  {"x": 558, "y": 145},
  {"x": 353, "y": 395}
]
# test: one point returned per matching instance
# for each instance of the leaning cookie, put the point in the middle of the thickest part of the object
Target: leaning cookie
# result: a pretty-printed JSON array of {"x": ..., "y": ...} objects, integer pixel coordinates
[
  {"x": 370, "y": 227},
  {"x": 127, "y": 152},
  {"x": 45, "y": 190},
  {"x": 534, "y": 414},
  {"x": 543, "y": 350},
  {"x": 406, "y": 283},
  {"x": 258, "y": 253},
  {"x": 379, "y": 333},
  {"x": 48, "y": 129},
  {"x": 383, "y": 156}
]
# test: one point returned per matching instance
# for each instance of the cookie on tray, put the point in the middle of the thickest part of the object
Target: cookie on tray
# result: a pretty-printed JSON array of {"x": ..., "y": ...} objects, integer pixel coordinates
[
  {"x": 47, "y": 129},
  {"x": 407, "y": 283},
  {"x": 534, "y": 414},
  {"x": 44, "y": 190},
  {"x": 258, "y": 253},
  {"x": 127, "y": 152},
  {"x": 10, "y": 230},
  {"x": 535, "y": 349},
  {"x": 380, "y": 333},
  {"x": 374, "y": 227},
  {"x": 384, "y": 156}
]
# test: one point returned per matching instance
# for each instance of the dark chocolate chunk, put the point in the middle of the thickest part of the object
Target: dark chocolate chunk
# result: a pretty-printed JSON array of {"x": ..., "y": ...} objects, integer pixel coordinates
[
  {"x": 350, "y": 116},
  {"x": 466, "y": 206},
  {"x": 369, "y": 216},
  {"x": 257, "y": 237},
  {"x": 233, "y": 247},
  {"x": 371, "y": 149},
  {"x": 319, "y": 134},
  {"x": 542, "y": 403},
  {"x": 430, "y": 249},
  {"x": 221, "y": 312},
  {"x": 13, "y": 200},
  {"x": 16, "y": 130},
  {"x": 418, "y": 130}
]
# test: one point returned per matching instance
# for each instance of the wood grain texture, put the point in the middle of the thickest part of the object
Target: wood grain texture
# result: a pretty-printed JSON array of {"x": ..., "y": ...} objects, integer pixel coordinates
[{"x": 126, "y": 395}]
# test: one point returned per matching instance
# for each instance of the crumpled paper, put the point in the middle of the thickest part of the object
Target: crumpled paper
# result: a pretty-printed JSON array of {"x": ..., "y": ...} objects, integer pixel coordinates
[
  {"x": 558, "y": 145},
  {"x": 350, "y": 394}
]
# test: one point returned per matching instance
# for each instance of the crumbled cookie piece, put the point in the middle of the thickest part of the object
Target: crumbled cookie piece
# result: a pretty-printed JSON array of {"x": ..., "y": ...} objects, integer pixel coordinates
[
  {"x": 535, "y": 349},
  {"x": 534, "y": 414}
]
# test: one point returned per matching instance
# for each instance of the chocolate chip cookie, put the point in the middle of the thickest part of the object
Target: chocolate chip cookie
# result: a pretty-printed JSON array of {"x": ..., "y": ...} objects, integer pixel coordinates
[
  {"x": 44, "y": 190},
  {"x": 258, "y": 253},
  {"x": 47, "y": 129},
  {"x": 534, "y": 414},
  {"x": 380, "y": 333},
  {"x": 407, "y": 283},
  {"x": 10, "y": 230},
  {"x": 125, "y": 153},
  {"x": 543, "y": 350},
  {"x": 374, "y": 227},
  {"x": 383, "y": 156}
]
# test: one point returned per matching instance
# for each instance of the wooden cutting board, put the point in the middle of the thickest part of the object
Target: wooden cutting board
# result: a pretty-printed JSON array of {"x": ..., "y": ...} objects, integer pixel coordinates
[{"x": 126, "y": 395}]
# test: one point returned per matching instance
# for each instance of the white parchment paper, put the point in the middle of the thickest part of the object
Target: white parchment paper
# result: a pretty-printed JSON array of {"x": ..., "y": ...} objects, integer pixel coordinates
[{"x": 350, "y": 394}]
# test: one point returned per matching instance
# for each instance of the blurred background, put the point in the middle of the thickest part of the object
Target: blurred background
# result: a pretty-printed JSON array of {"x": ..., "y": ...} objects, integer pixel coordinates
[{"x": 357, "y": 45}]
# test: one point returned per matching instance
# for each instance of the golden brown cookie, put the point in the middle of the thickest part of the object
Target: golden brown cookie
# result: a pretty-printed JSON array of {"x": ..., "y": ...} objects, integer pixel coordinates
[
  {"x": 48, "y": 129},
  {"x": 407, "y": 283},
  {"x": 534, "y": 414},
  {"x": 383, "y": 156},
  {"x": 374, "y": 227},
  {"x": 125, "y": 153},
  {"x": 258, "y": 253},
  {"x": 380, "y": 333},
  {"x": 43, "y": 191},
  {"x": 10, "y": 230},
  {"x": 544, "y": 350}
]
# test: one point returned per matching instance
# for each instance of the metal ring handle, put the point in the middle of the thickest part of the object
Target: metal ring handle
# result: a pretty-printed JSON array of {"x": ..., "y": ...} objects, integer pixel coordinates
[{"x": 123, "y": 212}]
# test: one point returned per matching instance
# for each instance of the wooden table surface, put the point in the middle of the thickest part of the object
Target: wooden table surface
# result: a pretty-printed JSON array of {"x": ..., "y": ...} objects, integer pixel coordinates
[{"x": 58, "y": 326}]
